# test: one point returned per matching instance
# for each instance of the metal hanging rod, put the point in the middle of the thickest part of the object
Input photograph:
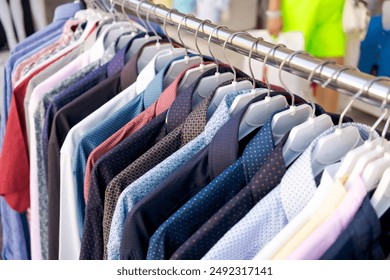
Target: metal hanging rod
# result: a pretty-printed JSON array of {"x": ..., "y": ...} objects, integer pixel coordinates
[{"x": 347, "y": 81}]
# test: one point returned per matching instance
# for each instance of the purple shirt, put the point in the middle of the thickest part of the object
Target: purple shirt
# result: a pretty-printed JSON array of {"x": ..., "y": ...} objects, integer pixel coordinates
[{"x": 328, "y": 232}]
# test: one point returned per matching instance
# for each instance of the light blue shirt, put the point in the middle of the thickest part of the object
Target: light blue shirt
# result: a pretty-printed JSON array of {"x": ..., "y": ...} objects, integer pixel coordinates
[
  {"x": 150, "y": 180},
  {"x": 274, "y": 211}
]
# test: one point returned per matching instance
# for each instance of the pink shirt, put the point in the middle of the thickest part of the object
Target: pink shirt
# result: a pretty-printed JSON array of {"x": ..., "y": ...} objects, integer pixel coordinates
[
  {"x": 66, "y": 36},
  {"x": 328, "y": 232}
]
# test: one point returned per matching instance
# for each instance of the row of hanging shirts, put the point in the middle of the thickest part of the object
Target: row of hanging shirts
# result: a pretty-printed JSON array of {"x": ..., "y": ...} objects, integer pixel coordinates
[{"x": 121, "y": 144}]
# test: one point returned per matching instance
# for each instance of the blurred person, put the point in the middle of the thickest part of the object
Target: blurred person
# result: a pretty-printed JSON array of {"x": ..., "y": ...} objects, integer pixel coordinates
[{"x": 320, "y": 21}]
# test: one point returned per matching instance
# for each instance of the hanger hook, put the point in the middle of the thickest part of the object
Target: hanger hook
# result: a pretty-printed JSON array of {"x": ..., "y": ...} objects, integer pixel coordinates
[
  {"x": 179, "y": 29},
  {"x": 165, "y": 26},
  {"x": 196, "y": 38},
  {"x": 126, "y": 17},
  {"x": 139, "y": 16},
  {"x": 288, "y": 58},
  {"x": 309, "y": 81},
  {"x": 362, "y": 90},
  {"x": 337, "y": 73},
  {"x": 230, "y": 38},
  {"x": 385, "y": 112},
  {"x": 209, "y": 43},
  {"x": 255, "y": 43},
  {"x": 273, "y": 49},
  {"x": 150, "y": 25}
]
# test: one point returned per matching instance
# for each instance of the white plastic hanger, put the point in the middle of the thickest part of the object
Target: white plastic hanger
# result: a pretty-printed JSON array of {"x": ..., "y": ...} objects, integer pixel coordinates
[
  {"x": 335, "y": 146},
  {"x": 164, "y": 59},
  {"x": 240, "y": 101},
  {"x": 375, "y": 169},
  {"x": 150, "y": 51},
  {"x": 234, "y": 86},
  {"x": 369, "y": 153},
  {"x": 302, "y": 135},
  {"x": 283, "y": 122},
  {"x": 180, "y": 65},
  {"x": 193, "y": 74},
  {"x": 381, "y": 198},
  {"x": 257, "y": 113},
  {"x": 207, "y": 84}
]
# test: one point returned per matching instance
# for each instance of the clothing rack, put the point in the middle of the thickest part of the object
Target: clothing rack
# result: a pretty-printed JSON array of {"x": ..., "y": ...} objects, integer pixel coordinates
[{"x": 347, "y": 82}]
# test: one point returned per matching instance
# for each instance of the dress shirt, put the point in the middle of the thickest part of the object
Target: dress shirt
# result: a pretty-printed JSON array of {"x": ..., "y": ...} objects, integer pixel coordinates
[
  {"x": 275, "y": 210},
  {"x": 76, "y": 104},
  {"x": 14, "y": 157},
  {"x": 167, "y": 238},
  {"x": 35, "y": 210},
  {"x": 193, "y": 126},
  {"x": 61, "y": 14},
  {"x": 102, "y": 129},
  {"x": 112, "y": 163},
  {"x": 14, "y": 60},
  {"x": 37, "y": 169},
  {"x": 158, "y": 107},
  {"x": 361, "y": 239},
  {"x": 289, "y": 231},
  {"x": 108, "y": 166},
  {"x": 150, "y": 180},
  {"x": 328, "y": 206},
  {"x": 78, "y": 88},
  {"x": 327, "y": 233},
  {"x": 15, "y": 233},
  {"x": 31, "y": 45},
  {"x": 16, "y": 245},
  {"x": 265, "y": 179},
  {"x": 80, "y": 142},
  {"x": 49, "y": 78},
  {"x": 66, "y": 36}
]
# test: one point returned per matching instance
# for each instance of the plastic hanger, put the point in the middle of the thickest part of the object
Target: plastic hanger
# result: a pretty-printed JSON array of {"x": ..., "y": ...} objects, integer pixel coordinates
[
  {"x": 207, "y": 84},
  {"x": 180, "y": 65},
  {"x": 234, "y": 86},
  {"x": 125, "y": 38},
  {"x": 164, "y": 59},
  {"x": 335, "y": 146},
  {"x": 140, "y": 42},
  {"x": 193, "y": 74},
  {"x": 240, "y": 101},
  {"x": 367, "y": 156},
  {"x": 381, "y": 198},
  {"x": 302, "y": 135},
  {"x": 373, "y": 171},
  {"x": 258, "y": 113},
  {"x": 150, "y": 51},
  {"x": 283, "y": 122}
]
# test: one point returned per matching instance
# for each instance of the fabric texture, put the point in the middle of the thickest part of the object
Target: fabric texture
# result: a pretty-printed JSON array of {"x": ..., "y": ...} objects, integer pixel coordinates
[
  {"x": 361, "y": 239},
  {"x": 275, "y": 210},
  {"x": 265, "y": 179},
  {"x": 327, "y": 233},
  {"x": 193, "y": 126},
  {"x": 69, "y": 107},
  {"x": 150, "y": 180}
]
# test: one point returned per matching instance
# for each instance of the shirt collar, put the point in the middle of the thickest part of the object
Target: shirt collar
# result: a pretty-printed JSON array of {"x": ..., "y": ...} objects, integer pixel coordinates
[
  {"x": 182, "y": 106},
  {"x": 298, "y": 185},
  {"x": 148, "y": 73},
  {"x": 66, "y": 11},
  {"x": 227, "y": 140}
]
